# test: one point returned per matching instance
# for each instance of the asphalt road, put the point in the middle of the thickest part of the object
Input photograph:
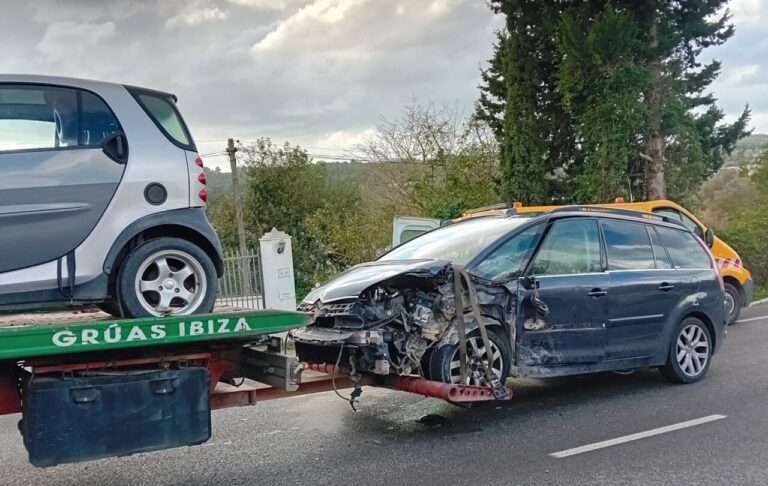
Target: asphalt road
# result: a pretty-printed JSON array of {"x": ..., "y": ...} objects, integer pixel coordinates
[{"x": 319, "y": 440}]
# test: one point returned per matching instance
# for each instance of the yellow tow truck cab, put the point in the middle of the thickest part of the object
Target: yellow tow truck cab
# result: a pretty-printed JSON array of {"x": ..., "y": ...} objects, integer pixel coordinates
[{"x": 737, "y": 279}]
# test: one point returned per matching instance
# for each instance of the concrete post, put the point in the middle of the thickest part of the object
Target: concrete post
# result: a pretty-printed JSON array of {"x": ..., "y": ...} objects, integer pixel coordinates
[{"x": 277, "y": 270}]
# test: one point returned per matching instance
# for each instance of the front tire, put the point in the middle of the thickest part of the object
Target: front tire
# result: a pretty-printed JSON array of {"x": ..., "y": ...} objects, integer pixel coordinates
[
  {"x": 167, "y": 276},
  {"x": 690, "y": 352},
  {"x": 444, "y": 362},
  {"x": 733, "y": 302}
]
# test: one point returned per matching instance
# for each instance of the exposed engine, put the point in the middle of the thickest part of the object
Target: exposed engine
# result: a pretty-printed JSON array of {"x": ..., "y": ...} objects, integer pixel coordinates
[{"x": 389, "y": 328}]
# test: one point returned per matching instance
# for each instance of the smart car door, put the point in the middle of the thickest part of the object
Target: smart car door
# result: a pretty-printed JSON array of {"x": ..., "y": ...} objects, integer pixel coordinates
[
  {"x": 566, "y": 275},
  {"x": 62, "y": 155}
]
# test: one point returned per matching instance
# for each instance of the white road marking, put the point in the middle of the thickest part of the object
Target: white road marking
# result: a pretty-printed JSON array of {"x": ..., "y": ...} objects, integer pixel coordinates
[
  {"x": 639, "y": 435},
  {"x": 751, "y": 319}
]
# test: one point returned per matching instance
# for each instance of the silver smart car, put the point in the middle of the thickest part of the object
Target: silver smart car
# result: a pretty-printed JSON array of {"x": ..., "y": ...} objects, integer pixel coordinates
[{"x": 102, "y": 200}]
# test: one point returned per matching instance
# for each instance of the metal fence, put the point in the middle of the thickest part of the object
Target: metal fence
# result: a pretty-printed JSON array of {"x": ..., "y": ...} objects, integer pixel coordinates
[{"x": 241, "y": 284}]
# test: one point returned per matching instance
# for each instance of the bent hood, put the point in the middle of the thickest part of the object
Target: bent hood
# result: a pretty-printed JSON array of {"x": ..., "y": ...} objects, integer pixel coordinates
[{"x": 350, "y": 283}]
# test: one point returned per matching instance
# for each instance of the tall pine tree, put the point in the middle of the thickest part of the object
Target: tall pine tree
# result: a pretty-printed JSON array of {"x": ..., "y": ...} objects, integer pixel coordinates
[{"x": 599, "y": 98}]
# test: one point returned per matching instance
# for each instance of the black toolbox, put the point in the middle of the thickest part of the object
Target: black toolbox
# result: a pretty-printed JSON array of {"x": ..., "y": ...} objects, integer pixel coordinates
[{"x": 80, "y": 418}]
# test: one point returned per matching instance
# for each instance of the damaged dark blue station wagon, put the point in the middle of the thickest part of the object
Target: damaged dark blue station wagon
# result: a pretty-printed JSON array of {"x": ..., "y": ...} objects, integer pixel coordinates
[{"x": 576, "y": 290}]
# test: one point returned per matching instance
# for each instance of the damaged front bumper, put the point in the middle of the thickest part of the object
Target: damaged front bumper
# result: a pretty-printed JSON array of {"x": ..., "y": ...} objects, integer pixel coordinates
[{"x": 323, "y": 336}]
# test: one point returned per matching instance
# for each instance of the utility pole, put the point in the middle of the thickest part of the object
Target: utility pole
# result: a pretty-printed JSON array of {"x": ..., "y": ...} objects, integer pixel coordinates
[{"x": 245, "y": 267}]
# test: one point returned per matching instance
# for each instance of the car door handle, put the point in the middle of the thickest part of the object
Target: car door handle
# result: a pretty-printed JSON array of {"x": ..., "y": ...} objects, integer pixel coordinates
[
  {"x": 597, "y": 293},
  {"x": 665, "y": 287}
]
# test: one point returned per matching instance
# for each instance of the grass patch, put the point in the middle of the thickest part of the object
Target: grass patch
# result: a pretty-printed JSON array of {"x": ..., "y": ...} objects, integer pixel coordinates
[{"x": 760, "y": 293}]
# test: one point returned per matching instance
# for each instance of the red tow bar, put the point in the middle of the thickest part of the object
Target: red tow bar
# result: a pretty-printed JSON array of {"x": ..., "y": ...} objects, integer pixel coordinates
[{"x": 451, "y": 392}]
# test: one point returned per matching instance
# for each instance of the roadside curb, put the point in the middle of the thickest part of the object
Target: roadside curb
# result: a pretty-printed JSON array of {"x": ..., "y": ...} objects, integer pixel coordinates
[{"x": 761, "y": 301}]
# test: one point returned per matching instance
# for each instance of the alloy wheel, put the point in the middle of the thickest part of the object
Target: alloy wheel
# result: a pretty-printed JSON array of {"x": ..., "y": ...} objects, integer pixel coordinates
[
  {"x": 477, "y": 360},
  {"x": 170, "y": 282},
  {"x": 692, "y": 350}
]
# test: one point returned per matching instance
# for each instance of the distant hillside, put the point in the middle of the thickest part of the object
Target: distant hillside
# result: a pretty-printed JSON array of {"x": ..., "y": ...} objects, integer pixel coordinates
[
  {"x": 746, "y": 150},
  {"x": 221, "y": 182}
]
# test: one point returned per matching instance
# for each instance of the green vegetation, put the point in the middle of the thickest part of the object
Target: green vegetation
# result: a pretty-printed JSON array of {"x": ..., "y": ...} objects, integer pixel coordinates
[
  {"x": 427, "y": 162},
  {"x": 591, "y": 100},
  {"x": 580, "y": 103}
]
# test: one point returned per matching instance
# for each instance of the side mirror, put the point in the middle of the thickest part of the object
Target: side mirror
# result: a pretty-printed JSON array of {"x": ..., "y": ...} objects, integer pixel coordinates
[
  {"x": 116, "y": 148},
  {"x": 530, "y": 282},
  {"x": 709, "y": 238}
]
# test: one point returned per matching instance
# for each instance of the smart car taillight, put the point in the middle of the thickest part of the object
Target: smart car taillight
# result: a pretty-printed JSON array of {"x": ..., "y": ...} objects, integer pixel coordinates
[
  {"x": 201, "y": 178},
  {"x": 203, "y": 195},
  {"x": 199, "y": 162}
]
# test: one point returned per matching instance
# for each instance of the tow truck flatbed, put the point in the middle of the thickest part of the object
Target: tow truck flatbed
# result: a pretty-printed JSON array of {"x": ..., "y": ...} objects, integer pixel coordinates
[
  {"x": 31, "y": 335},
  {"x": 138, "y": 385}
]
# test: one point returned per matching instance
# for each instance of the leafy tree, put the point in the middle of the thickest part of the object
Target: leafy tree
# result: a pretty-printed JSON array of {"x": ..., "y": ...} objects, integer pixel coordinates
[
  {"x": 429, "y": 161},
  {"x": 283, "y": 188},
  {"x": 599, "y": 80},
  {"x": 537, "y": 142},
  {"x": 606, "y": 97}
]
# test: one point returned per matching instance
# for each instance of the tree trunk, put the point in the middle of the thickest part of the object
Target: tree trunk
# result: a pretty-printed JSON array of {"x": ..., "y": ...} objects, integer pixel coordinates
[{"x": 655, "y": 185}]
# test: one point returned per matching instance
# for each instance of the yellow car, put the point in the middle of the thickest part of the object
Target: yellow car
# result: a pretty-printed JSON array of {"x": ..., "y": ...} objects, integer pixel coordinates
[{"x": 737, "y": 279}]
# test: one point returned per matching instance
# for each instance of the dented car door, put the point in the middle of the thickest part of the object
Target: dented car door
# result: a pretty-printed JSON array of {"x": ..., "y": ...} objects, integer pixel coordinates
[{"x": 562, "y": 310}]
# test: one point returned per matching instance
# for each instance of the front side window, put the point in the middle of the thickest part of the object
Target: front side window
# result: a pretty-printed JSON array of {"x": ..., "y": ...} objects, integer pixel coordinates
[
  {"x": 627, "y": 246},
  {"x": 570, "y": 247},
  {"x": 162, "y": 109},
  {"x": 507, "y": 260},
  {"x": 684, "y": 248},
  {"x": 48, "y": 117},
  {"x": 37, "y": 117}
]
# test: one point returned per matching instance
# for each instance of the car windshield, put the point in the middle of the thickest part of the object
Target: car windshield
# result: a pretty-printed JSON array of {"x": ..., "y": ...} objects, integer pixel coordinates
[{"x": 459, "y": 242}]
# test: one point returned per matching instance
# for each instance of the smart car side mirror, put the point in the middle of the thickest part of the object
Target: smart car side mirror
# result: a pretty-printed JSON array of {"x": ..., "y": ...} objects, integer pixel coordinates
[
  {"x": 709, "y": 237},
  {"x": 116, "y": 148}
]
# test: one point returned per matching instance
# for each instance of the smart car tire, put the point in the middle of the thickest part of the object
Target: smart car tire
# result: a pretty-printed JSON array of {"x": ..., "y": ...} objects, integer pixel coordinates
[
  {"x": 444, "y": 362},
  {"x": 690, "y": 352},
  {"x": 167, "y": 276},
  {"x": 110, "y": 307}
]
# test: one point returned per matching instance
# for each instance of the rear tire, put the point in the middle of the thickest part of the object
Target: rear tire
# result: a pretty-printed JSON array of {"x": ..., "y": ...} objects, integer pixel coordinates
[
  {"x": 444, "y": 360},
  {"x": 167, "y": 276},
  {"x": 734, "y": 302},
  {"x": 690, "y": 352}
]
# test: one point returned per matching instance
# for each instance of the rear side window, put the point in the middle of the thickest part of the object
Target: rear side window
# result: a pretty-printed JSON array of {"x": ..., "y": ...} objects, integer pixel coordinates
[
  {"x": 684, "y": 248},
  {"x": 659, "y": 253},
  {"x": 162, "y": 110},
  {"x": 627, "y": 246},
  {"x": 50, "y": 117},
  {"x": 507, "y": 260},
  {"x": 97, "y": 122},
  {"x": 570, "y": 247}
]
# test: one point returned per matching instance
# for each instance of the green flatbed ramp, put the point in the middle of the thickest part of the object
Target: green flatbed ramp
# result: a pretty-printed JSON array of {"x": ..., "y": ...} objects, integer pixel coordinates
[{"x": 33, "y": 335}]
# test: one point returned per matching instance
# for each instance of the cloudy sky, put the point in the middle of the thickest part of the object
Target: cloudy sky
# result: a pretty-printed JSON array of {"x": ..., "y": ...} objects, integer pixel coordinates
[{"x": 319, "y": 73}]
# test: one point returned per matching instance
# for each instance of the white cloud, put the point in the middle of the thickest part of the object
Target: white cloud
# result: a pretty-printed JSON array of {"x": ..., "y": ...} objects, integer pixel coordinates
[
  {"x": 265, "y": 4},
  {"x": 306, "y": 20},
  {"x": 196, "y": 16},
  {"x": 746, "y": 12},
  {"x": 739, "y": 74},
  {"x": 67, "y": 39}
]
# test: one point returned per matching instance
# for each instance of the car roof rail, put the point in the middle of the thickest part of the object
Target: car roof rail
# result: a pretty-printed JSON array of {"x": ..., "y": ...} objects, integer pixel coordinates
[
  {"x": 618, "y": 211},
  {"x": 487, "y": 208}
]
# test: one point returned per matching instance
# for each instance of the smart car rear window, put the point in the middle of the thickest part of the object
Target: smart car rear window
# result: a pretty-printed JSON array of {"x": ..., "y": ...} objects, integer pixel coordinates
[{"x": 161, "y": 108}]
